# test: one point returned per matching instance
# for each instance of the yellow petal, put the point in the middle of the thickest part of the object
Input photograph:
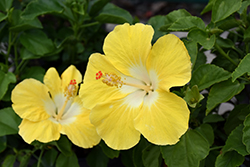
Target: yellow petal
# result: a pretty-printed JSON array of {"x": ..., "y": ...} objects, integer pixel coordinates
[
  {"x": 171, "y": 61},
  {"x": 31, "y": 100},
  {"x": 163, "y": 118},
  {"x": 69, "y": 74},
  {"x": 76, "y": 125},
  {"x": 127, "y": 46},
  {"x": 114, "y": 123},
  {"x": 44, "y": 131},
  {"x": 95, "y": 91},
  {"x": 53, "y": 81}
]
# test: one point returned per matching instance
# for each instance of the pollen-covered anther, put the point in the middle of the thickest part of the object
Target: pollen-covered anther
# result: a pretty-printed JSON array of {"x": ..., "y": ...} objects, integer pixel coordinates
[
  {"x": 110, "y": 79},
  {"x": 71, "y": 89}
]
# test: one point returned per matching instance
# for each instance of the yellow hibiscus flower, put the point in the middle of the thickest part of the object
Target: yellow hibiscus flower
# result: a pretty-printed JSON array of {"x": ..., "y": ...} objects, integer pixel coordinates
[
  {"x": 128, "y": 88},
  {"x": 53, "y": 108}
]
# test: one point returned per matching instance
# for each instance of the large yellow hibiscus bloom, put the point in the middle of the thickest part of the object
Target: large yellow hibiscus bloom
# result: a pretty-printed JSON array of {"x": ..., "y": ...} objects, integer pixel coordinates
[
  {"x": 128, "y": 88},
  {"x": 53, "y": 108}
]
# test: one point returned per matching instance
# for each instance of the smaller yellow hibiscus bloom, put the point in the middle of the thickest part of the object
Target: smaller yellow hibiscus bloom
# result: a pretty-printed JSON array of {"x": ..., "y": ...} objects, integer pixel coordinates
[
  {"x": 53, "y": 108},
  {"x": 128, "y": 88}
]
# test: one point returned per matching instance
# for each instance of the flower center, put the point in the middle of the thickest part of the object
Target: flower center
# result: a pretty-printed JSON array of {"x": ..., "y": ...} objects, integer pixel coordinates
[
  {"x": 112, "y": 79},
  {"x": 69, "y": 92}
]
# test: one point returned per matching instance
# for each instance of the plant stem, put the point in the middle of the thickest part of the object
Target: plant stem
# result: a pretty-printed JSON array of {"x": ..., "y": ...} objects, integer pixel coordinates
[
  {"x": 40, "y": 158},
  {"x": 221, "y": 51},
  {"x": 215, "y": 148},
  {"x": 90, "y": 24}
]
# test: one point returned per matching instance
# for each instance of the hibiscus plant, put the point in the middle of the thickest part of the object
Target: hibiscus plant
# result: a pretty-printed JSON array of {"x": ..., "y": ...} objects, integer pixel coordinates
[{"x": 73, "y": 94}]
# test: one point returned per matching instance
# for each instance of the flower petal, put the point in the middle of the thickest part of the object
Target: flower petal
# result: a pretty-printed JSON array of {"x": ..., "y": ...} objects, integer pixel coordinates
[
  {"x": 95, "y": 91},
  {"x": 76, "y": 125},
  {"x": 69, "y": 74},
  {"x": 170, "y": 60},
  {"x": 127, "y": 46},
  {"x": 31, "y": 100},
  {"x": 44, "y": 131},
  {"x": 163, "y": 118},
  {"x": 53, "y": 81},
  {"x": 114, "y": 123}
]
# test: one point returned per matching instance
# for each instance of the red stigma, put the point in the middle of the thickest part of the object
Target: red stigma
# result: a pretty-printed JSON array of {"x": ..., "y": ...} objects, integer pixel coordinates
[
  {"x": 72, "y": 82},
  {"x": 98, "y": 75}
]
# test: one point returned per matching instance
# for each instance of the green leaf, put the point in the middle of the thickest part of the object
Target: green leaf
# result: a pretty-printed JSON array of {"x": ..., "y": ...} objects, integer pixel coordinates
[
  {"x": 242, "y": 68},
  {"x": 247, "y": 35},
  {"x": 97, "y": 158},
  {"x": 151, "y": 156},
  {"x": 200, "y": 60},
  {"x": 50, "y": 157},
  {"x": 186, "y": 23},
  {"x": 234, "y": 142},
  {"x": 224, "y": 43},
  {"x": 96, "y": 6},
  {"x": 114, "y": 14},
  {"x": 202, "y": 38},
  {"x": 156, "y": 22},
  {"x": 3, "y": 17},
  {"x": 24, "y": 157},
  {"x": 223, "y": 92},
  {"x": 207, "y": 132},
  {"x": 186, "y": 153},
  {"x": 127, "y": 159},
  {"x": 233, "y": 119},
  {"x": 9, "y": 161},
  {"x": 244, "y": 6},
  {"x": 109, "y": 152},
  {"x": 35, "y": 72},
  {"x": 192, "y": 50},
  {"x": 208, "y": 7},
  {"x": 41, "y": 7},
  {"x": 5, "y": 80},
  {"x": 5, "y": 5},
  {"x": 224, "y": 8},
  {"x": 27, "y": 55},
  {"x": 137, "y": 152},
  {"x": 174, "y": 16},
  {"x": 3, "y": 143},
  {"x": 19, "y": 24},
  {"x": 37, "y": 42},
  {"x": 207, "y": 75},
  {"x": 213, "y": 118},
  {"x": 64, "y": 145},
  {"x": 230, "y": 159},
  {"x": 66, "y": 161},
  {"x": 9, "y": 122},
  {"x": 193, "y": 96},
  {"x": 246, "y": 133}
]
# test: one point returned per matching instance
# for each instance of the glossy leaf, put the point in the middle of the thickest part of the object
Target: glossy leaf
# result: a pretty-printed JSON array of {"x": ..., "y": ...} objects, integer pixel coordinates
[
  {"x": 109, "y": 152},
  {"x": 66, "y": 161},
  {"x": 186, "y": 23},
  {"x": 27, "y": 55},
  {"x": 114, "y": 14},
  {"x": 234, "y": 142},
  {"x": 37, "y": 42},
  {"x": 200, "y": 60},
  {"x": 3, "y": 143},
  {"x": 9, "y": 122},
  {"x": 202, "y": 38},
  {"x": 35, "y": 72},
  {"x": 97, "y": 158},
  {"x": 242, "y": 68},
  {"x": 2, "y": 17},
  {"x": 230, "y": 159},
  {"x": 19, "y": 24},
  {"x": 41, "y": 7},
  {"x": 138, "y": 151},
  {"x": 186, "y": 152},
  {"x": 151, "y": 156},
  {"x": 224, "y": 8},
  {"x": 64, "y": 145},
  {"x": 5, "y": 80},
  {"x": 244, "y": 6},
  {"x": 207, "y": 132},
  {"x": 5, "y": 5},
  {"x": 192, "y": 50},
  {"x": 207, "y": 75},
  {"x": 96, "y": 6},
  {"x": 246, "y": 133},
  {"x": 223, "y": 92},
  {"x": 156, "y": 22},
  {"x": 9, "y": 161},
  {"x": 50, "y": 157},
  {"x": 208, "y": 7},
  {"x": 213, "y": 118},
  {"x": 224, "y": 43}
]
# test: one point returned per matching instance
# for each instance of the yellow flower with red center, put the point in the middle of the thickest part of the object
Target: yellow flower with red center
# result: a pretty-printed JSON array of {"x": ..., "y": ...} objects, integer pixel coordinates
[
  {"x": 54, "y": 108},
  {"x": 128, "y": 88}
]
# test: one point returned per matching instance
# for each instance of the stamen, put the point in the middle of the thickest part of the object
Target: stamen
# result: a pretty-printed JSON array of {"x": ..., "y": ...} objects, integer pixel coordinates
[
  {"x": 112, "y": 79},
  {"x": 70, "y": 91}
]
